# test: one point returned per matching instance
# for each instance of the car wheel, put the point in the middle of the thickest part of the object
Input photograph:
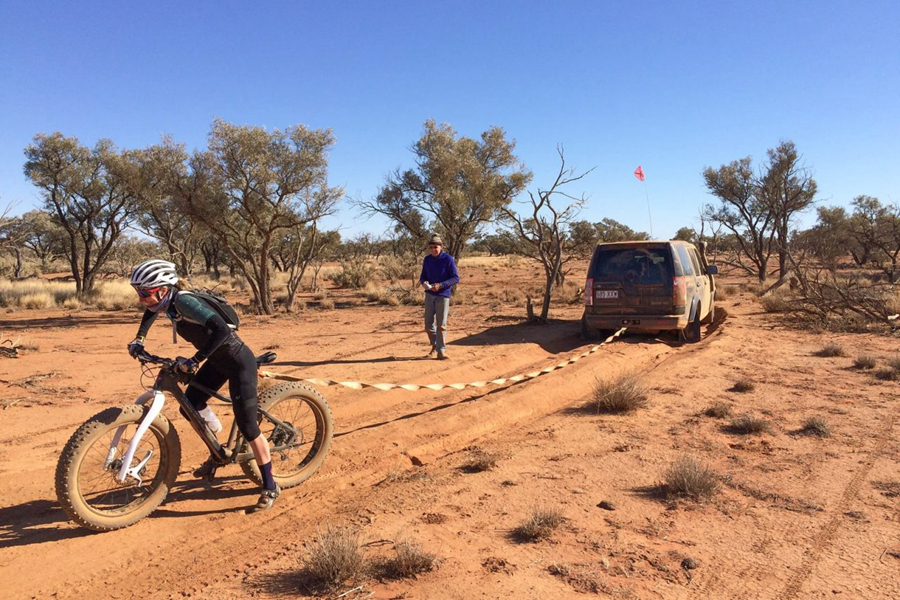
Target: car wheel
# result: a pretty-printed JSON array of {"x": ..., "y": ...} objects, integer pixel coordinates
[{"x": 691, "y": 333}]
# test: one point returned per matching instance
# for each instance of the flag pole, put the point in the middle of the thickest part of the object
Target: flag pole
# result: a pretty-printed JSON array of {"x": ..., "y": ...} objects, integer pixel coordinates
[{"x": 649, "y": 216}]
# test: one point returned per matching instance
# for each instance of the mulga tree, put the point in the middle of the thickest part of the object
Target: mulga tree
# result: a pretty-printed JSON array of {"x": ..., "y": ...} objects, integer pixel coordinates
[
  {"x": 87, "y": 193},
  {"x": 458, "y": 186},
  {"x": 253, "y": 186}
]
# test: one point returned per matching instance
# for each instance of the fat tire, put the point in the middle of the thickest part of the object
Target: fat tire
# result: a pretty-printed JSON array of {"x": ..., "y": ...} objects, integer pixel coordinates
[
  {"x": 324, "y": 422},
  {"x": 81, "y": 441}
]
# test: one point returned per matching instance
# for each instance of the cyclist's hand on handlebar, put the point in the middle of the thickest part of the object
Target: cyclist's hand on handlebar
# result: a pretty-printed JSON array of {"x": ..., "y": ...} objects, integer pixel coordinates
[
  {"x": 186, "y": 365},
  {"x": 136, "y": 347}
]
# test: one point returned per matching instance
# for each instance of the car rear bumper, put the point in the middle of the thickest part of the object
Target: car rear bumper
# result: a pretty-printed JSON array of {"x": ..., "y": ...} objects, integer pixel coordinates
[{"x": 648, "y": 322}]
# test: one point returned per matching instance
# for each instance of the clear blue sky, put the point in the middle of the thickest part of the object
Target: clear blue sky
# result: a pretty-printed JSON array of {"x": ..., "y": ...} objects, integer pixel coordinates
[{"x": 671, "y": 86}]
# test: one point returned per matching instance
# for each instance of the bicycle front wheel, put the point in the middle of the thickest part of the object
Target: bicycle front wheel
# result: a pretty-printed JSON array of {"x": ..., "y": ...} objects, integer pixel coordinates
[
  {"x": 86, "y": 484},
  {"x": 308, "y": 413}
]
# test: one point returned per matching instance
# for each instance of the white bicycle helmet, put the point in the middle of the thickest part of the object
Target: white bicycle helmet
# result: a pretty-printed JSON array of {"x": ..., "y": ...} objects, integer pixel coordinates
[{"x": 154, "y": 273}]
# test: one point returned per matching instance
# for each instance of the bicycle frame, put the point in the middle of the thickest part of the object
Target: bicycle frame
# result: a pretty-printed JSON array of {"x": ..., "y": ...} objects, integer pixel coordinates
[{"x": 168, "y": 380}]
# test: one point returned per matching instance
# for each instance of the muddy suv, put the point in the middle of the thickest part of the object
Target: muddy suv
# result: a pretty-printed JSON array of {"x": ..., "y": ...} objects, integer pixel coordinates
[{"x": 649, "y": 286}]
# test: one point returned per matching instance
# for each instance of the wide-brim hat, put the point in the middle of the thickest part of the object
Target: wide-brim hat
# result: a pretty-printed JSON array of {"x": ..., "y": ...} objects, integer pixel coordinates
[{"x": 436, "y": 239}]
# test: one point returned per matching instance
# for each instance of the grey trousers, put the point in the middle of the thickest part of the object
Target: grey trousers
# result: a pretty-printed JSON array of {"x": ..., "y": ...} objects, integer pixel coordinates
[{"x": 436, "y": 310}]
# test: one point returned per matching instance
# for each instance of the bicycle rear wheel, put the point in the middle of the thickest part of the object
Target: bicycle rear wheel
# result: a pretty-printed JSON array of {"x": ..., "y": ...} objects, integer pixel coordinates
[
  {"x": 309, "y": 414},
  {"x": 86, "y": 484}
]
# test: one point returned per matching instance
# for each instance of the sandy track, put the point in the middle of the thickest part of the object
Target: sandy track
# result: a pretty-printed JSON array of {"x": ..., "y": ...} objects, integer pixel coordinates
[{"x": 780, "y": 527}]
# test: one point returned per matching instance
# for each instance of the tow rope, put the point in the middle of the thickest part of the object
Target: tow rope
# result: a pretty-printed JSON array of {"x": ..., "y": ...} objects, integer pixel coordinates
[{"x": 414, "y": 387}]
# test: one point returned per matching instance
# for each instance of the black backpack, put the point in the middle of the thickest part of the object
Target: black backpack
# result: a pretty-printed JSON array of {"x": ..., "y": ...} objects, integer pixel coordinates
[{"x": 219, "y": 304}]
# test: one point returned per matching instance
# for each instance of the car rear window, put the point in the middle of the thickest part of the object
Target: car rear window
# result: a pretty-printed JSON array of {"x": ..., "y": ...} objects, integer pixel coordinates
[{"x": 636, "y": 266}]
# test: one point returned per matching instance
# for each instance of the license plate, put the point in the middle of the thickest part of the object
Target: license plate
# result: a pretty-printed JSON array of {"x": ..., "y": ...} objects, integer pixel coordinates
[{"x": 606, "y": 294}]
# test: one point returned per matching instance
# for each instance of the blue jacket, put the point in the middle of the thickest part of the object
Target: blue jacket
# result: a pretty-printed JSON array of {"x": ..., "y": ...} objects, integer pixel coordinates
[{"x": 440, "y": 269}]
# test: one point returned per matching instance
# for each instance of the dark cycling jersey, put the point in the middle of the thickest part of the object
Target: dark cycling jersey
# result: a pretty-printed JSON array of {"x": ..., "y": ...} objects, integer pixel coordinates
[{"x": 199, "y": 324}]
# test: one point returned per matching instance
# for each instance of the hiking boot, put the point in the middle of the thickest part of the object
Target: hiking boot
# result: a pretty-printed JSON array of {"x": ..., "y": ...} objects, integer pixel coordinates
[
  {"x": 207, "y": 470},
  {"x": 442, "y": 356},
  {"x": 432, "y": 353},
  {"x": 266, "y": 500}
]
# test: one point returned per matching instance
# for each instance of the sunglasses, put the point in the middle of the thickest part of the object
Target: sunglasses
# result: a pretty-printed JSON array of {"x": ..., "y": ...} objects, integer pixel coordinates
[
  {"x": 434, "y": 245},
  {"x": 146, "y": 293}
]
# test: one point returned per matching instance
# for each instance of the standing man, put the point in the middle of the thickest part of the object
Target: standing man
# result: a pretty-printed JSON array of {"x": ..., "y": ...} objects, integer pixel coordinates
[{"x": 438, "y": 276}]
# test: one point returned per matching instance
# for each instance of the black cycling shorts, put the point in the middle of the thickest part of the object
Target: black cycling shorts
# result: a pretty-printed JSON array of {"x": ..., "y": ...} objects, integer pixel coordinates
[{"x": 239, "y": 370}]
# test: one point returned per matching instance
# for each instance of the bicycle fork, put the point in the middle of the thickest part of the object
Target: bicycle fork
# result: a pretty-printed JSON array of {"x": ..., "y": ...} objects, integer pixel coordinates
[{"x": 125, "y": 470}]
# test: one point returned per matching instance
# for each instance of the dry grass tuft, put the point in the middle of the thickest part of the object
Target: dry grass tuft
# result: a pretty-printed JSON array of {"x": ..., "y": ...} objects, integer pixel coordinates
[
  {"x": 621, "y": 394},
  {"x": 540, "y": 525},
  {"x": 719, "y": 410},
  {"x": 746, "y": 424},
  {"x": 742, "y": 385},
  {"x": 335, "y": 557},
  {"x": 776, "y": 303},
  {"x": 830, "y": 351},
  {"x": 816, "y": 426},
  {"x": 893, "y": 363},
  {"x": 865, "y": 362},
  {"x": 688, "y": 478},
  {"x": 326, "y": 304},
  {"x": 888, "y": 375},
  {"x": 409, "y": 560},
  {"x": 479, "y": 461}
]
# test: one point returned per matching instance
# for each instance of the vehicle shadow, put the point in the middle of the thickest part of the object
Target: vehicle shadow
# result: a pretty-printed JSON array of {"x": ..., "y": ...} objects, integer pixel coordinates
[
  {"x": 42, "y": 521},
  {"x": 554, "y": 337}
]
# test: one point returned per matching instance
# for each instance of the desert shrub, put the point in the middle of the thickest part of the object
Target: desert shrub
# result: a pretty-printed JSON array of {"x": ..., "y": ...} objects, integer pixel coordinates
[
  {"x": 334, "y": 557},
  {"x": 816, "y": 426},
  {"x": 688, "y": 478},
  {"x": 396, "y": 270},
  {"x": 719, "y": 410},
  {"x": 539, "y": 525},
  {"x": 479, "y": 461},
  {"x": 830, "y": 350},
  {"x": 621, "y": 394},
  {"x": 726, "y": 291},
  {"x": 352, "y": 275},
  {"x": 326, "y": 304},
  {"x": 513, "y": 261},
  {"x": 320, "y": 295},
  {"x": 511, "y": 296},
  {"x": 409, "y": 560},
  {"x": 747, "y": 424},
  {"x": 742, "y": 385},
  {"x": 865, "y": 362},
  {"x": 776, "y": 302}
]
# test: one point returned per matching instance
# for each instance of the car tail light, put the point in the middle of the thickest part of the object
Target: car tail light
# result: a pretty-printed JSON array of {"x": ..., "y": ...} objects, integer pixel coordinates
[
  {"x": 589, "y": 292},
  {"x": 679, "y": 291}
]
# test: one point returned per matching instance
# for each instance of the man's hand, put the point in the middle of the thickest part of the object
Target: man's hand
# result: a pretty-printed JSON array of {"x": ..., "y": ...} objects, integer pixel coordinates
[
  {"x": 136, "y": 347},
  {"x": 186, "y": 365},
  {"x": 435, "y": 287}
]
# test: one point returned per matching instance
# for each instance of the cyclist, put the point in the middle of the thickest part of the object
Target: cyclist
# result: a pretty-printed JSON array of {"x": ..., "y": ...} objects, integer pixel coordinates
[{"x": 227, "y": 359}]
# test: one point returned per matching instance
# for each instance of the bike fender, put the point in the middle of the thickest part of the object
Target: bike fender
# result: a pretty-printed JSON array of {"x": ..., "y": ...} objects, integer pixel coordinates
[{"x": 158, "y": 400}]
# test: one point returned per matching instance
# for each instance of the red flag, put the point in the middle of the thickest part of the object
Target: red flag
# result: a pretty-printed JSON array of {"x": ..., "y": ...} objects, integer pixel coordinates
[{"x": 639, "y": 173}]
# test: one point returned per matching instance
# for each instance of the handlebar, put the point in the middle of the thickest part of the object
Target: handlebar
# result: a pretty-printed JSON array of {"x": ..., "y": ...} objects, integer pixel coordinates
[{"x": 146, "y": 357}]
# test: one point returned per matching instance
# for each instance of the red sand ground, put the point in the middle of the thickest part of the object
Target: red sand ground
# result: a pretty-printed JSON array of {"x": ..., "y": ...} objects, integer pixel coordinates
[{"x": 798, "y": 516}]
